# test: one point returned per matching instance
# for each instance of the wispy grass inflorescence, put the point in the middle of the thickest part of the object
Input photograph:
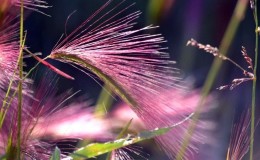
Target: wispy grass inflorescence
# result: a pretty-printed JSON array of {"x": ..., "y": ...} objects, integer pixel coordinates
[
  {"x": 249, "y": 76},
  {"x": 132, "y": 63}
]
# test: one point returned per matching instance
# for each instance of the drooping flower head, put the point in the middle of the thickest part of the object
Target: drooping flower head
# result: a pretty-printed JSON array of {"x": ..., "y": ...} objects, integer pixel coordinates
[{"x": 131, "y": 61}]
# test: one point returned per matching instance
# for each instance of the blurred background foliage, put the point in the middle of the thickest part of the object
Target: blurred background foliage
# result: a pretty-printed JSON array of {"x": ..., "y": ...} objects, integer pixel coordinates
[{"x": 203, "y": 20}]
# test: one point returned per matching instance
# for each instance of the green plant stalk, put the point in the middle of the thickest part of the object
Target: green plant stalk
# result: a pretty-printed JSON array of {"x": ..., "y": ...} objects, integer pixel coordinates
[
  {"x": 106, "y": 79},
  {"x": 4, "y": 108},
  {"x": 119, "y": 136},
  {"x": 4, "y": 112},
  {"x": 229, "y": 35},
  {"x": 20, "y": 88},
  {"x": 104, "y": 102},
  {"x": 154, "y": 10},
  {"x": 252, "y": 129}
]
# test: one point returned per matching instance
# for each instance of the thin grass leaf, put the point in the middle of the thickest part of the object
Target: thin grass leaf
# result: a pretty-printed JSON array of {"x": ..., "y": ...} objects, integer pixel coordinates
[
  {"x": 56, "y": 154},
  {"x": 120, "y": 135},
  {"x": 36, "y": 110},
  {"x": 20, "y": 83},
  {"x": 124, "y": 130},
  {"x": 226, "y": 41},
  {"x": 9, "y": 56},
  {"x": 255, "y": 13},
  {"x": 95, "y": 149},
  {"x": 104, "y": 101}
]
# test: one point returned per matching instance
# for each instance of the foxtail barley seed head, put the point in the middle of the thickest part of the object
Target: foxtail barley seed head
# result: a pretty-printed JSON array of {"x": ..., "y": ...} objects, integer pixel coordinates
[{"x": 134, "y": 64}]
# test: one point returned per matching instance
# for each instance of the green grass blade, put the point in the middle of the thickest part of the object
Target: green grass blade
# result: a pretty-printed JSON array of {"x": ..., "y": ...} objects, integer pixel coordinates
[
  {"x": 56, "y": 154},
  {"x": 252, "y": 129},
  {"x": 229, "y": 35},
  {"x": 120, "y": 135},
  {"x": 104, "y": 102},
  {"x": 96, "y": 149},
  {"x": 20, "y": 86}
]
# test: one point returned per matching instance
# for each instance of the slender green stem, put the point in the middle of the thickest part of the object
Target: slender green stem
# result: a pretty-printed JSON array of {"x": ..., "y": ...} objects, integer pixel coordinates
[
  {"x": 3, "y": 112},
  {"x": 254, "y": 84},
  {"x": 20, "y": 94},
  {"x": 119, "y": 136},
  {"x": 224, "y": 46},
  {"x": 112, "y": 84},
  {"x": 104, "y": 102}
]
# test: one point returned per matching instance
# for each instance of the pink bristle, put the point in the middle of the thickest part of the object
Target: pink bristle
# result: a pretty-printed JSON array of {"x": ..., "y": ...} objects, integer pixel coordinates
[
  {"x": 37, "y": 110},
  {"x": 9, "y": 52},
  {"x": 33, "y": 5},
  {"x": 136, "y": 62},
  {"x": 239, "y": 139}
]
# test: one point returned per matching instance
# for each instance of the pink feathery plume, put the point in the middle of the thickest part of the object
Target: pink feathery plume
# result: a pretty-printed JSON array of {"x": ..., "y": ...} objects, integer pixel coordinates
[
  {"x": 181, "y": 104},
  {"x": 130, "y": 153},
  {"x": 74, "y": 121},
  {"x": 33, "y": 5},
  {"x": 135, "y": 61},
  {"x": 239, "y": 139},
  {"x": 122, "y": 114},
  {"x": 35, "y": 111},
  {"x": 9, "y": 52},
  {"x": 184, "y": 104},
  {"x": 31, "y": 148}
]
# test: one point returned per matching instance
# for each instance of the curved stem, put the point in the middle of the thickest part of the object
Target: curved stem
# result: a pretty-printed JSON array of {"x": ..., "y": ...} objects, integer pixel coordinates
[
  {"x": 229, "y": 35},
  {"x": 252, "y": 130},
  {"x": 104, "y": 102},
  {"x": 20, "y": 88},
  {"x": 113, "y": 85}
]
